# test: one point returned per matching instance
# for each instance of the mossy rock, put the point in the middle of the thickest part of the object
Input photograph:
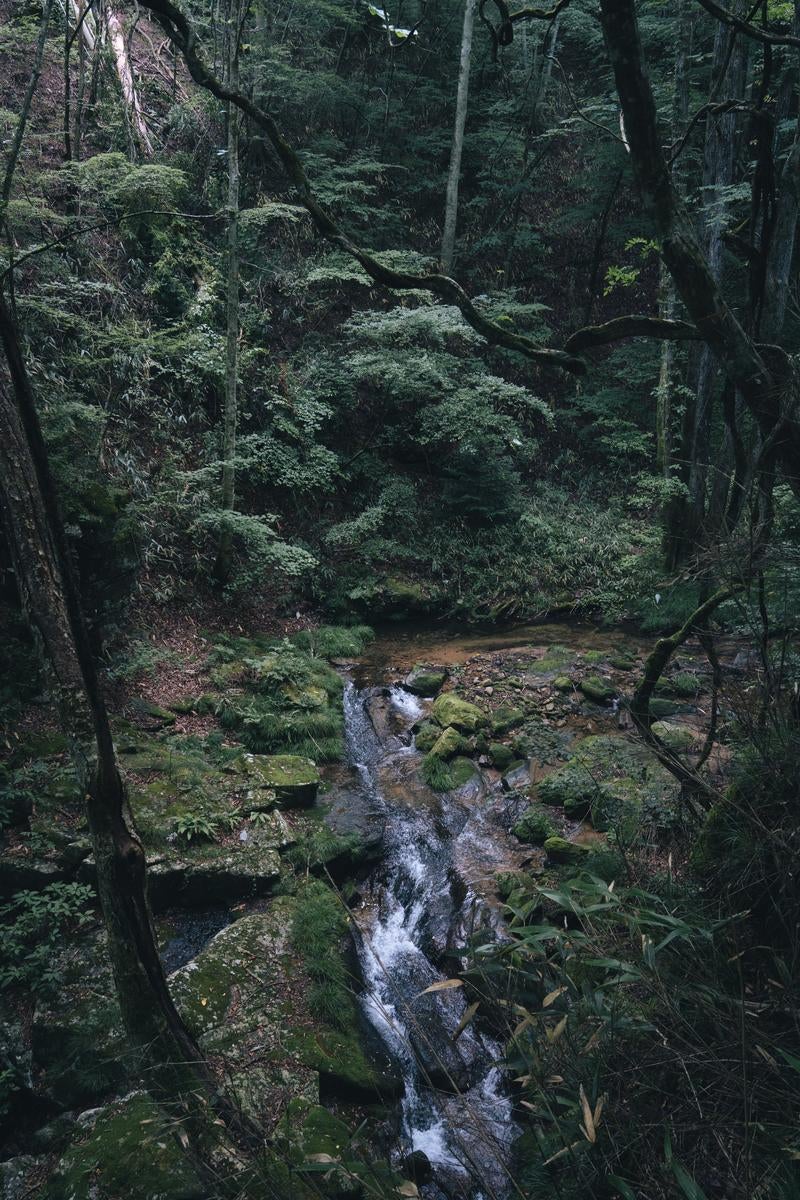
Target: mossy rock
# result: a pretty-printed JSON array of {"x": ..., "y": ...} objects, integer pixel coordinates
[
  {"x": 622, "y": 662},
  {"x": 154, "y": 715},
  {"x": 617, "y": 806},
  {"x": 463, "y": 772},
  {"x": 427, "y": 735},
  {"x": 450, "y": 710},
  {"x": 129, "y": 1150},
  {"x": 599, "y": 765},
  {"x": 294, "y": 780},
  {"x": 682, "y": 684},
  {"x": 447, "y": 745},
  {"x": 598, "y": 690},
  {"x": 505, "y": 718},
  {"x": 563, "y": 683},
  {"x": 534, "y": 826},
  {"x": 303, "y": 696},
  {"x": 502, "y": 756},
  {"x": 595, "y": 656},
  {"x": 508, "y": 882},
  {"x": 675, "y": 737},
  {"x": 556, "y": 657},
  {"x": 425, "y": 681},
  {"x": 562, "y": 853},
  {"x": 660, "y": 708}
]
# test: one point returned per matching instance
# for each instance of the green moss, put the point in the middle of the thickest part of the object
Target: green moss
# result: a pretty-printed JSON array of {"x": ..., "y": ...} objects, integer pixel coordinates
[
  {"x": 563, "y": 683},
  {"x": 598, "y": 690},
  {"x": 560, "y": 851},
  {"x": 663, "y": 708},
  {"x": 617, "y": 805},
  {"x": 450, "y": 709},
  {"x": 463, "y": 770},
  {"x": 556, "y": 657},
  {"x": 534, "y": 826},
  {"x": 427, "y": 735},
  {"x": 681, "y": 684},
  {"x": 294, "y": 780},
  {"x": 130, "y": 1152},
  {"x": 447, "y": 745},
  {"x": 425, "y": 682},
  {"x": 675, "y": 737},
  {"x": 502, "y": 756},
  {"x": 437, "y": 773},
  {"x": 504, "y": 719},
  {"x": 334, "y": 641},
  {"x": 594, "y": 656}
]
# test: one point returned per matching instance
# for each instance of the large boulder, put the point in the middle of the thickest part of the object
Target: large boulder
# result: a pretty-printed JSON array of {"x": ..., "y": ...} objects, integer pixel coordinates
[
  {"x": 425, "y": 681},
  {"x": 450, "y": 710},
  {"x": 448, "y": 744},
  {"x": 285, "y": 779}
]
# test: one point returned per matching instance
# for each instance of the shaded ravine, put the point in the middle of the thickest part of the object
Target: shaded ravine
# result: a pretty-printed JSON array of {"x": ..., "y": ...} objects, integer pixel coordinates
[{"x": 455, "y": 1108}]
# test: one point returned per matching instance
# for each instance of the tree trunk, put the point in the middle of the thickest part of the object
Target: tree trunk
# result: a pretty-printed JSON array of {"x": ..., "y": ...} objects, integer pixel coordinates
[
  {"x": 25, "y": 108},
  {"x": 454, "y": 174},
  {"x": 130, "y": 96},
  {"x": 167, "y": 1055},
  {"x": 222, "y": 566},
  {"x": 763, "y": 375}
]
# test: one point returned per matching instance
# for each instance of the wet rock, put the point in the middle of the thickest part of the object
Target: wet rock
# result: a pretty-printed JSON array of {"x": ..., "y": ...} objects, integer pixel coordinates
[
  {"x": 25, "y": 873},
  {"x": 425, "y": 681},
  {"x": 417, "y": 1166},
  {"x": 14, "y": 1176},
  {"x": 451, "y": 710},
  {"x": 517, "y": 778},
  {"x": 388, "y": 721},
  {"x": 352, "y": 812}
]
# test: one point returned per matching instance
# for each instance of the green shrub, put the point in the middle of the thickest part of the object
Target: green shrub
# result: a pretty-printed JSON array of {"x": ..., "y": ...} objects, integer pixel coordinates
[
  {"x": 318, "y": 927},
  {"x": 34, "y": 926}
]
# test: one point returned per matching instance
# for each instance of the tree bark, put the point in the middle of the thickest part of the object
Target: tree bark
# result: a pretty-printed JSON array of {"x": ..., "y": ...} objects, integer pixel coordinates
[
  {"x": 130, "y": 96},
  {"x": 763, "y": 374},
  {"x": 457, "y": 147}
]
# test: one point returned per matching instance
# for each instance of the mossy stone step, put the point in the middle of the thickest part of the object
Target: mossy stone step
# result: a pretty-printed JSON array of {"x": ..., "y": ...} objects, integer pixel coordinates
[{"x": 294, "y": 780}]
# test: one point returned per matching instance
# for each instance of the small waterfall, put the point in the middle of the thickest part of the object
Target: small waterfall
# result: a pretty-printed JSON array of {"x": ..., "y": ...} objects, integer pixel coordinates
[{"x": 454, "y": 1108}]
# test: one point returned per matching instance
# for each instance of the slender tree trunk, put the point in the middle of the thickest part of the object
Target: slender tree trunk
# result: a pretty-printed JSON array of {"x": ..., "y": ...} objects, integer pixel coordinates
[
  {"x": 130, "y": 96},
  {"x": 457, "y": 147},
  {"x": 67, "y": 85},
  {"x": 25, "y": 107},
  {"x": 666, "y": 289},
  {"x": 167, "y": 1055},
  {"x": 222, "y": 566}
]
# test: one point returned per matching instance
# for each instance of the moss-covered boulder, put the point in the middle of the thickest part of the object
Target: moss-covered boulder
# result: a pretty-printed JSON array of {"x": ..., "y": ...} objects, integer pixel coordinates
[
  {"x": 605, "y": 773},
  {"x": 501, "y": 756},
  {"x": 248, "y": 997},
  {"x": 661, "y": 708},
  {"x": 427, "y": 735},
  {"x": 598, "y": 690},
  {"x": 448, "y": 744},
  {"x": 675, "y": 737},
  {"x": 506, "y": 718},
  {"x": 293, "y": 781},
  {"x": 126, "y": 1149},
  {"x": 563, "y": 683},
  {"x": 563, "y": 853},
  {"x": 450, "y": 710},
  {"x": 534, "y": 826},
  {"x": 425, "y": 681},
  {"x": 617, "y": 806}
]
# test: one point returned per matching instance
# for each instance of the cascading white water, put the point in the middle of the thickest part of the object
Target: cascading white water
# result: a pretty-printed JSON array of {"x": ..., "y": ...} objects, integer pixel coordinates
[{"x": 465, "y": 1135}]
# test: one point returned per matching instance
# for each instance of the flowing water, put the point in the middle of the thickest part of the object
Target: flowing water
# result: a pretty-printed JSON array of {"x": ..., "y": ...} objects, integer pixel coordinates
[{"x": 455, "y": 1107}]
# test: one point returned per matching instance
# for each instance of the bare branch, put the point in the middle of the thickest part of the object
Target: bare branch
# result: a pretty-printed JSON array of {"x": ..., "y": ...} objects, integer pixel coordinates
[
  {"x": 631, "y": 326},
  {"x": 745, "y": 27}
]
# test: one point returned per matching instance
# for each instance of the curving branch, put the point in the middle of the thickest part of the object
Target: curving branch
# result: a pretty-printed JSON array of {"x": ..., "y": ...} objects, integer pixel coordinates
[
  {"x": 745, "y": 27},
  {"x": 182, "y": 34},
  {"x": 632, "y": 326},
  {"x": 539, "y": 14}
]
